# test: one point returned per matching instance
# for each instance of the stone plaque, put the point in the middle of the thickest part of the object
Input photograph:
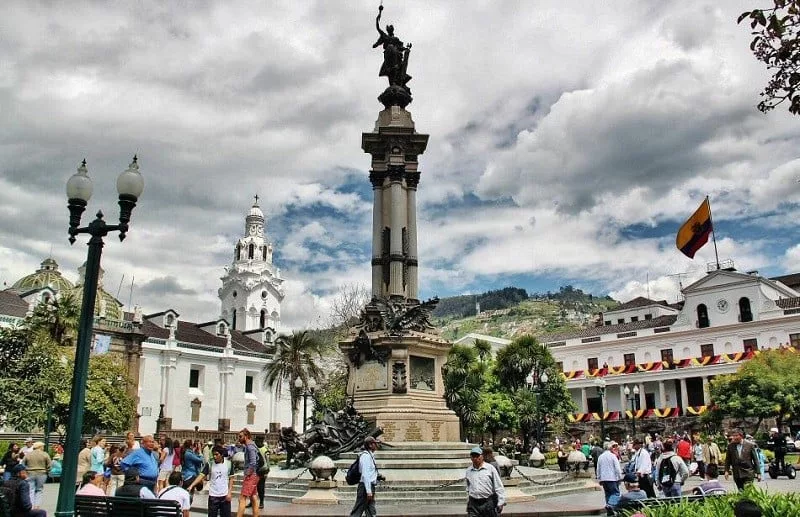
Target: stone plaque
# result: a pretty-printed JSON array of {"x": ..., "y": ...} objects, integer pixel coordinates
[
  {"x": 371, "y": 376},
  {"x": 435, "y": 426},
  {"x": 389, "y": 430},
  {"x": 413, "y": 432},
  {"x": 422, "y": 373}
]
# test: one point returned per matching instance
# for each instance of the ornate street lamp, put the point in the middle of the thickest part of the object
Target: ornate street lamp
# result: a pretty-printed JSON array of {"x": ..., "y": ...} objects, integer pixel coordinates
[
  {"x": 600, "y": 385},
  {"x": 130, "y": 185},
  {"x": 308, "y": 389},
  {"x": 632, "y": 400},
  {"x": 536, "y": 383}
]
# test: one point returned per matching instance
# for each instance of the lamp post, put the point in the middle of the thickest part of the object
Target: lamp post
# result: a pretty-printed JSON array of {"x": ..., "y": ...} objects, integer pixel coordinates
[
  {"x": 308, "y": 389},
  {"x": 632, "y": 399},
  {"x": 536, "y": 384},
  {"x": 130, "y": 185},
  {"x": 600, "y": 385}
]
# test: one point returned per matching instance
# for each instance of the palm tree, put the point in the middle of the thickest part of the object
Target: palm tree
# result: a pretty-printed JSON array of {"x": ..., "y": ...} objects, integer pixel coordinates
[
  {"x": 484, "y": 349},
  {"x": 463, "y": 381},
  {"x": 57, "y": 319},
  {"x": 294, "y": 358}
]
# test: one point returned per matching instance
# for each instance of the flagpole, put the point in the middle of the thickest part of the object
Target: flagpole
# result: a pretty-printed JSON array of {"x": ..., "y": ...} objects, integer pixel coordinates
[{"x": 713, "y": 233}]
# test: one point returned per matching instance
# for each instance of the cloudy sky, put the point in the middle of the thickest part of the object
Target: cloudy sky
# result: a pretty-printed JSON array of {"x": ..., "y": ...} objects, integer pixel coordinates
[{"x": 568, "y": 142}]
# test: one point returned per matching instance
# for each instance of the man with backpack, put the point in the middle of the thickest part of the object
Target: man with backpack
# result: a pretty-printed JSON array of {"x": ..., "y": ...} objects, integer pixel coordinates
[
  {"x": 671, "y": 471},
  {"x": 365, "y": 494}
]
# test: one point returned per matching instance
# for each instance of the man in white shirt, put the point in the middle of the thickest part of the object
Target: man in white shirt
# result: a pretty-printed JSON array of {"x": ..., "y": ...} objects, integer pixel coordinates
[
  {"x": 365, "y": 495},
  {"x": 487, "y": 495},
  {"x": 643, "y": 466},
  {"x": 174, "y": 492},
  {"x": 28, "y": 446},
  {"x": 220, "y": 483},
  {"x": 609, "y": 472}
]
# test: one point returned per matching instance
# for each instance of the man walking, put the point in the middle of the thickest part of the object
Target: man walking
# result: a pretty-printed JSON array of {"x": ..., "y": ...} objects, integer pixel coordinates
[
  {"x": 711, "y": 453},
  {"x": 643, "y": 466},
  {"x": 365, "y": 494},
  {"x": 145, "y": 462},
  {"x": 220, "y": 483},
  {"x": 609, "y": 472},
  {"x": 671, "y": 471},
  {"x": 487, "y": 495},
  {"x": 742, "y": 460},
  {"x": 250, "y": 481}
]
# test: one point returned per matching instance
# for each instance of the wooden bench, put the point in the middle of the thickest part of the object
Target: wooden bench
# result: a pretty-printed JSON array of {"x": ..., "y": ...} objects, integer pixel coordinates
[{"x": 92, "y": 506}]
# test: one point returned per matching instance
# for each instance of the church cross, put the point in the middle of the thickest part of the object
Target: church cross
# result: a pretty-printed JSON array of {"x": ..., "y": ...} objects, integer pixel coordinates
[{"x": 256, "y": 196}]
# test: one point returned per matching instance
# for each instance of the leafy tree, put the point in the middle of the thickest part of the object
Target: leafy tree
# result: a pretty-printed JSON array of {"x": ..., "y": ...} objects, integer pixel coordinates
[
  {"x": 108, "y": 407},
  {"x": 57, "y": 319},
  {"x": 767, "y": 386},
  {"x": 497, "y": 412},
  {"x": 295, "y": 358},
  {"x": 776, "y": 43},
  {"x": 463, "y": 377},
  {"x": 331, "y": 393}
]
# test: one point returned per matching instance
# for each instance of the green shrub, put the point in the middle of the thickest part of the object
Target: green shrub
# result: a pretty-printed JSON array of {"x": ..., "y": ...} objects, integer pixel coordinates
[{"x": 772, "y": 505}]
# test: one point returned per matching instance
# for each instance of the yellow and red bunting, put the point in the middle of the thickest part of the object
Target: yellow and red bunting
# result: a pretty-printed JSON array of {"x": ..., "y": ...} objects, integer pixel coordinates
[
  {"x": 573, "y": 374},
  {"x": 733, "y": 358},
  {"x": 596, "y": 372},
  {"x": 640, "y": 413},
  {"x": 706, "y": 360},
  {"x": 666, "y": 412},
  {"x": 651, "y": 366},
  {"x": 696, "y": 410},
  {"x": 579, "y": 417}
]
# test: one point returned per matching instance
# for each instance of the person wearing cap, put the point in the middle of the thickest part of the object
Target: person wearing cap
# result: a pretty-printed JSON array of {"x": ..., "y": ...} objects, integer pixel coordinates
[
  {"x": 643, "y": 466},
  {"x": 28, "y": 446},
  {"x": 144, "y": 461},
  {"x": 487, "y": 495},
  {"x": 18, "y": 485},
  {"x": 609, "y": 472},
  {"x": 37, "y": 463},
  {"x": 219, "y": 473},
  {"x": 633, "y": 493},
  {"x": 365, "y": 494},
  {"x": 133, "y": 487},
  {"x": 742, "y": 460}
]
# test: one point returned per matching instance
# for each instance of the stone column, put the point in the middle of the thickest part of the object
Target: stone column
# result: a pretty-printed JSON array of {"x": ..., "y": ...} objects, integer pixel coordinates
[
  {"x": 705, "y": 389},
  {"x": 397, "y": 216},
  {"x": 662, "y": 394},
  {"x": 684, "y": 395},
  {"x": 642, "y": 398},
  {"x": 412, "y": 180},
  {"x": 377, "y": 230},
  {"x": 623, "y": 401},
  {"x": 584, "y": 401}
]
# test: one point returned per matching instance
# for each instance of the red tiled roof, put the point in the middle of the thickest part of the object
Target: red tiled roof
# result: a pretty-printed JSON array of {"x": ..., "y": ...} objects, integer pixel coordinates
[
  {"x": 11, "y": 304},
  {"x": 189, "y": 332}
]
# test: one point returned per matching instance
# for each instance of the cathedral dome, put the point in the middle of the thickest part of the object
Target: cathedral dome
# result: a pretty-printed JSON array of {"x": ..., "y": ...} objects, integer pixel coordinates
[
  {"x": 255, "y": 211},
  {"x": 105, "y": 304},
  {"x": 47, "y": 275}
]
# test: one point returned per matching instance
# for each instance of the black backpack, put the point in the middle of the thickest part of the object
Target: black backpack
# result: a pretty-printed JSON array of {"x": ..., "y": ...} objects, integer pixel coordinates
[
  {"x": 667, "y": 472},
  {"x": 353, "y": 476}
]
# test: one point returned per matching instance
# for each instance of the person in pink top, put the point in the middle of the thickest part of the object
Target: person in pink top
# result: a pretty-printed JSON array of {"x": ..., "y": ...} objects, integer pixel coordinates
[{"x": 91, "y": 484}]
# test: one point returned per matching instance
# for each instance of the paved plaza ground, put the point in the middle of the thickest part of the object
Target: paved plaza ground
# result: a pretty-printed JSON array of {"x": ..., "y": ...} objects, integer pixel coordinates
[{"x": 586, "y": 503}]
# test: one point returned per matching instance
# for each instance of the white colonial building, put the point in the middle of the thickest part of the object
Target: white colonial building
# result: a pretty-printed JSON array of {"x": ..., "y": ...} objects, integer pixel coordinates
[
  {"x": 199, "y": 377},
  {"x": 671, "y": 351}
]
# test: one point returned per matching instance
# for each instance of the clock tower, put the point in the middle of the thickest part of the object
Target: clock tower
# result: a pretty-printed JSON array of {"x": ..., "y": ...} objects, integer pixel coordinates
[{"x": 251, "y": 292}]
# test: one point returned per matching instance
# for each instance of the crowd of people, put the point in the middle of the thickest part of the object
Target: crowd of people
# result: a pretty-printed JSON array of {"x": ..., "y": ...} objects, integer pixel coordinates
[{"x": 148, "y": 469}]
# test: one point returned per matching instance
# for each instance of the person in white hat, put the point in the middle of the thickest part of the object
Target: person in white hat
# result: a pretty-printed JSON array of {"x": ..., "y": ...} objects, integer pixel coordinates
[
  {"x": 28, "y": 446},
  {"x": 487, "y": 495}
]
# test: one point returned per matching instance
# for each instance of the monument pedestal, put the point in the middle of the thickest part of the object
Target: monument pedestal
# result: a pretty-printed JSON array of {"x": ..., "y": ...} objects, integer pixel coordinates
[
  {"x": 399, "y": 386},
  {"x": 319, "y": 492}
]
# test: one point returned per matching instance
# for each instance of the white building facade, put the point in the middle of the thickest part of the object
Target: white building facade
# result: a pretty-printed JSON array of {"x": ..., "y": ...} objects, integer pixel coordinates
[{"x": 672, "y": 351}]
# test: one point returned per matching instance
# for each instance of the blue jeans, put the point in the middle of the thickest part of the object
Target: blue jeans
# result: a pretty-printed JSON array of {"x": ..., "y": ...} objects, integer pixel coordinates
[
  {"x": 672, "y": 491},
  {"x": 37, "y": 487},
  {"x": 610, "y": 488}
]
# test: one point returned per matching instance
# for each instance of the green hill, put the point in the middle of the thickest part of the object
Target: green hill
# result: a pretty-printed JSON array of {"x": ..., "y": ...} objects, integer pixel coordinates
[{"x": 513, "y": 314}]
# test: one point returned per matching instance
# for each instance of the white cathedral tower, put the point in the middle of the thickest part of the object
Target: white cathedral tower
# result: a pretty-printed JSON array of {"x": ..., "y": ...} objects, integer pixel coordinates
[{"x": 251, "y": 292}]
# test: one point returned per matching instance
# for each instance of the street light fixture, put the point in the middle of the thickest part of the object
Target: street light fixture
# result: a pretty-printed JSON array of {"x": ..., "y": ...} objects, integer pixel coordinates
[
  {"x": 130, "y": 185},
  {"x": 308, "y": 389},
  {"x": 600, "y": 385},
  {"x": 535, "y": 384},
  {"x": 632, "y": 399}
]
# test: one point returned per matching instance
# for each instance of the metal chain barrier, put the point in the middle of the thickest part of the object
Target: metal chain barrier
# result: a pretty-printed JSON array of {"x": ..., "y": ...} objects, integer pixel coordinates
[
  {"x": 421, "y": 488},
  {"x": 281, "y": 485},
  {"x": 544, "y": 483}
]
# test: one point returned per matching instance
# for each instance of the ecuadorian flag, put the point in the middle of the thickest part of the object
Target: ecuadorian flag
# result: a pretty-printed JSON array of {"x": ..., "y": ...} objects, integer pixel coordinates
[{"x": 694, "y": 233}]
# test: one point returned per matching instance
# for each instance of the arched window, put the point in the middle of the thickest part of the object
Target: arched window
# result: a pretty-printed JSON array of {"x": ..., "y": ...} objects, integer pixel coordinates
[
  {"x": 251, "y": 250},
  {"x": 238, "y": 252},
  {"x": 262, "y": 320},
  {"x": 263, "y": 253},
  {"x": 233, "y": 314},
  {"x": 745, "y": 314},
  {"x": 702, "y": 316}
]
